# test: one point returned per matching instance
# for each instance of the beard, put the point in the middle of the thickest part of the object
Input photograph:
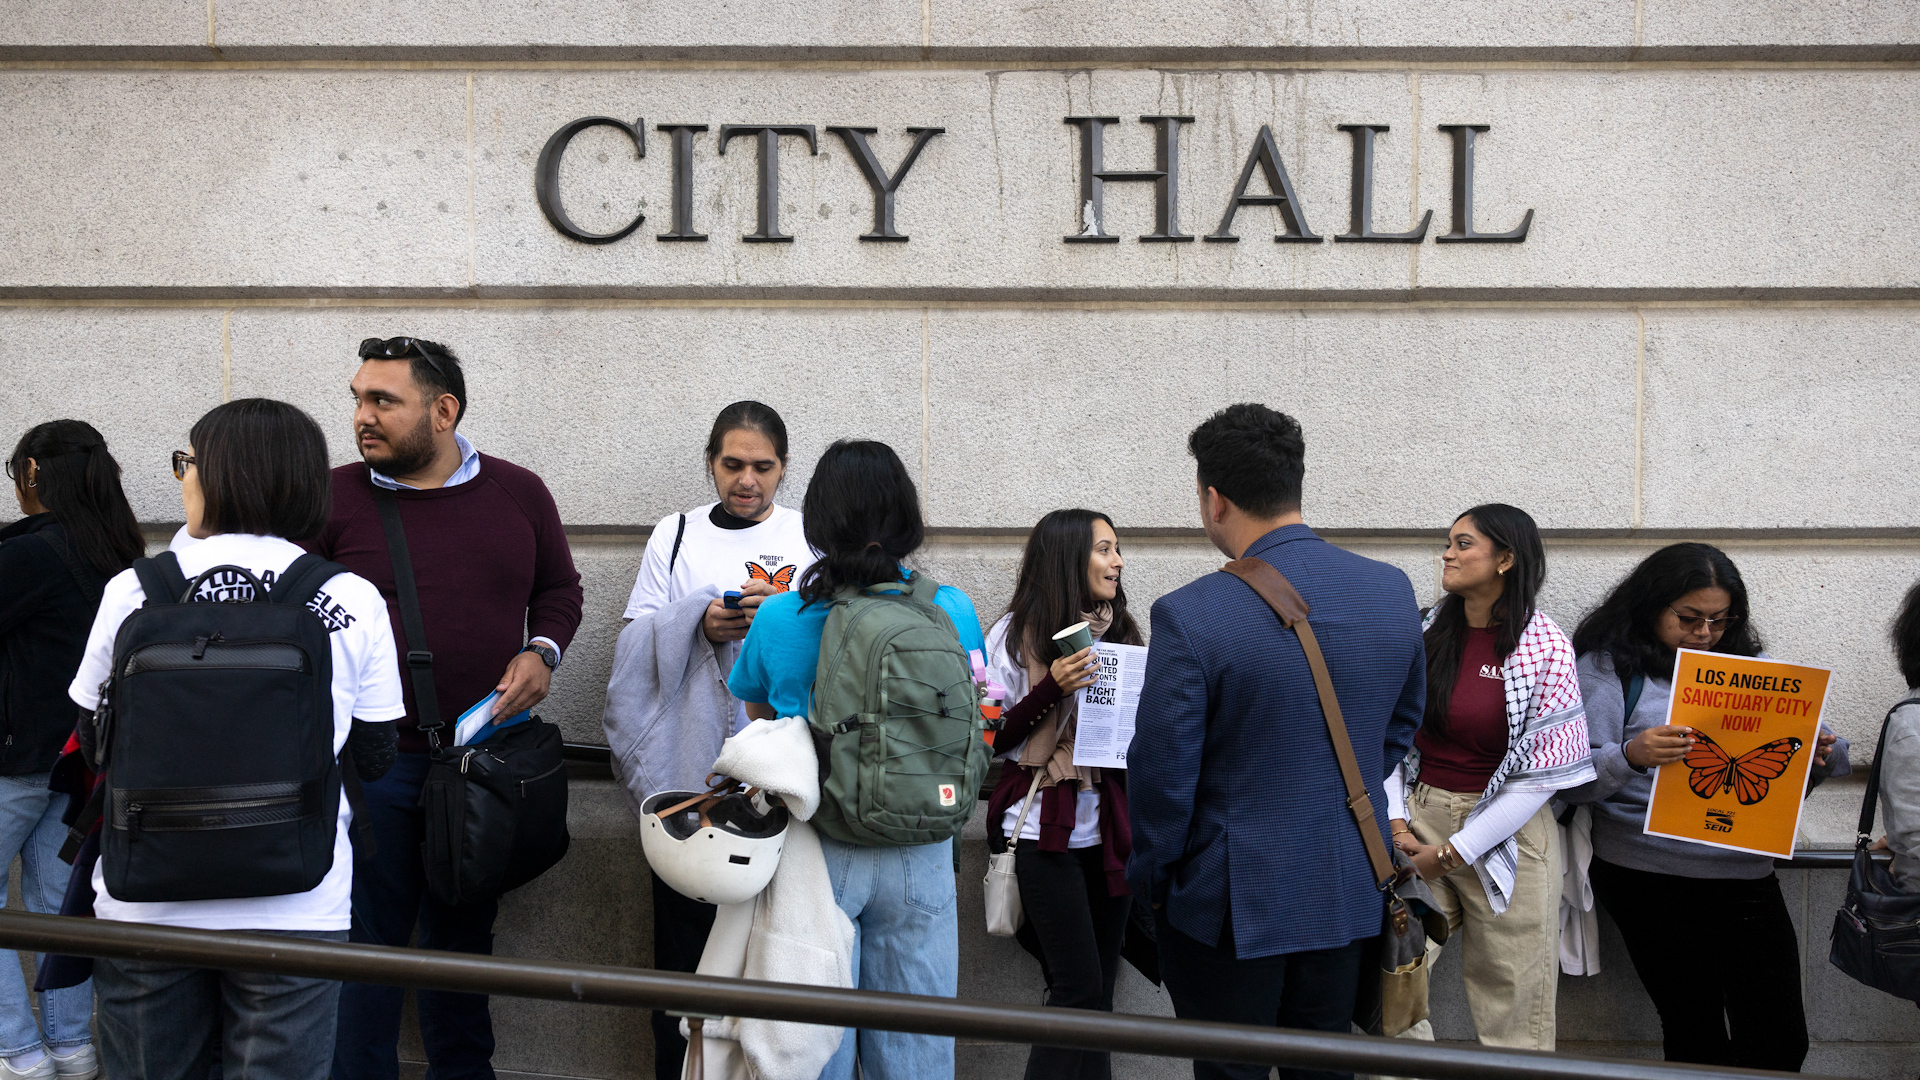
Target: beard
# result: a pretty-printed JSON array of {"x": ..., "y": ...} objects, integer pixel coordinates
[{"x": 407, "y": 455}]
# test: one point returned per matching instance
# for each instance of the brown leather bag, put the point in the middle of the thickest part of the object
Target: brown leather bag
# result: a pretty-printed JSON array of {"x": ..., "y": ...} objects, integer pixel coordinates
[{"x": 1397, "y": 998}]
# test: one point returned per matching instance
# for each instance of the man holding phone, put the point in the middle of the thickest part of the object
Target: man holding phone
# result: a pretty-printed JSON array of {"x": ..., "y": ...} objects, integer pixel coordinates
[{"x": 748, "y": 548}]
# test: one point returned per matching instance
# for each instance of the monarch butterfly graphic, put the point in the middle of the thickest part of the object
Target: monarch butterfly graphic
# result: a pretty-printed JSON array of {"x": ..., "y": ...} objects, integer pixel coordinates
[
  {"x": 781, "y": 581},
  {"x": 1715, "y": 770}
]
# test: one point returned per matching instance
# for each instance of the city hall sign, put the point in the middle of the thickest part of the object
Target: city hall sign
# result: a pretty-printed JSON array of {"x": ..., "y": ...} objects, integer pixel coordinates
[{"x": 1164, "y": 178}]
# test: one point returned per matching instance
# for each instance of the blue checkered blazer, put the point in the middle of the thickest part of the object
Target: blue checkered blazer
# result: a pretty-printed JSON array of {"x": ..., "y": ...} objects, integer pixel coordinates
[{"x": 1236, "y": 799}]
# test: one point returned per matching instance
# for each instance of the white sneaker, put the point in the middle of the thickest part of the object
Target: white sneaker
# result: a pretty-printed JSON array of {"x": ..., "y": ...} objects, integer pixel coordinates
[
  {"x": 81, "y": 1064},
  {"x": 40, "y": 1070}
]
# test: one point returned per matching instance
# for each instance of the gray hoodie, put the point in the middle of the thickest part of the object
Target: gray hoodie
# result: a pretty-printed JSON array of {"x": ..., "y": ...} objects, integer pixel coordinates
[{"x": 668, "y": 709}]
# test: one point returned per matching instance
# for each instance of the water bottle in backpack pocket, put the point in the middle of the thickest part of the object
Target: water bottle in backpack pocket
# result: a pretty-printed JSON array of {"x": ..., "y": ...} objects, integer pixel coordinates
[
  {"x": 895, "y": 719},
  {"x": 216, "y": 737}
]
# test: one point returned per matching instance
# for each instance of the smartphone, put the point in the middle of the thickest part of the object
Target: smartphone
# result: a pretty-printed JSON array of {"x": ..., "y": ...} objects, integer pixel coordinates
[{"x": 731, "y": 600}]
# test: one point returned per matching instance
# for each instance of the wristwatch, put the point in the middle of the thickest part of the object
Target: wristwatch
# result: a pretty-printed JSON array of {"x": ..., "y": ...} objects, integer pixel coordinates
[{"x": 547, "y": 655}]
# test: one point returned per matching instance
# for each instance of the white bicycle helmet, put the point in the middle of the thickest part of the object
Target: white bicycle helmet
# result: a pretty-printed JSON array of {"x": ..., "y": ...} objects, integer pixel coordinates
[{"x": 715, "y": 846}]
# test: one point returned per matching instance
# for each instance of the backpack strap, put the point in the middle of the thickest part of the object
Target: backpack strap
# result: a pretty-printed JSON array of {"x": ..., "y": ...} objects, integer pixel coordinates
[
  {"x": 161, "y": 579},
  {"x": 419, "y": 658},
  {"x": 679, "y": 535},
  {"x": 302, "y": 578},
  {"x": 91, "y": 586},
  {"x": 1287, "y": 603}
]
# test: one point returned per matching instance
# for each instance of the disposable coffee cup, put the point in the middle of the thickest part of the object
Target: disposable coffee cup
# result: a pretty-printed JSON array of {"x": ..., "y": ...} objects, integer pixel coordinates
[{"x": 1073, "y": 639}]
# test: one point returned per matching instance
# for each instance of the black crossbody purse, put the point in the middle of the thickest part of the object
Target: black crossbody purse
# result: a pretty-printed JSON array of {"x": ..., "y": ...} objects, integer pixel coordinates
[
  {"x": 495, "y": 812},
  {"x": 1876, "y": 932}
]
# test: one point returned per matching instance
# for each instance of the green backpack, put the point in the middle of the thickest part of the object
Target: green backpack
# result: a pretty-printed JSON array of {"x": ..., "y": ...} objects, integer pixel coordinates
[{"x": 896, "y": 719}]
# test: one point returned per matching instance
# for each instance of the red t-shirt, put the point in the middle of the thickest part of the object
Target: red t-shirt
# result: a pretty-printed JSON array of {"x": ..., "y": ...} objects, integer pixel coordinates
[{"x": 1463, "y": 757}]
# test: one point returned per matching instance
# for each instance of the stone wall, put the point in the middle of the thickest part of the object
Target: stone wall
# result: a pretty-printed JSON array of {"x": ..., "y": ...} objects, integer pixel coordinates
[{"x": 1707, "y": 333}]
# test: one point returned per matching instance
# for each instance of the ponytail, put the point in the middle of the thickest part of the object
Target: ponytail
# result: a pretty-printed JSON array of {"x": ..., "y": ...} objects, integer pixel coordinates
[
  {"x": 862, "y": 514},
  {"x": 79, "y": 483}
]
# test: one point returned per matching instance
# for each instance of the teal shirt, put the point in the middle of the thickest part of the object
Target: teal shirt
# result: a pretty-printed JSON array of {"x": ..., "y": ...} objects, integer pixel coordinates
[{"x": 782, "y": 650}]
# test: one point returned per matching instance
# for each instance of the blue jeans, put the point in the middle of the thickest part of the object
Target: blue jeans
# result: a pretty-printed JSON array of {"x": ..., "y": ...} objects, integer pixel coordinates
[
  {"x": 390, "y": 899},
  {"x": 167, "y": 1022},
  {"x": 906, "y": 939},
  {"x": 30, "y": 824}
]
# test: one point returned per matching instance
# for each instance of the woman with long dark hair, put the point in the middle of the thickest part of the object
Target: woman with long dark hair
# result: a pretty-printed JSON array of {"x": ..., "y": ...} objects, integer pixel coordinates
[
  {"x": 1743, "y": 1008},
  {"x": 77, "y": 532},
  {"x": 1504, "y": 730},
  {"x": 862, "y": 516},
  {"x": 1070, "y": 854}
]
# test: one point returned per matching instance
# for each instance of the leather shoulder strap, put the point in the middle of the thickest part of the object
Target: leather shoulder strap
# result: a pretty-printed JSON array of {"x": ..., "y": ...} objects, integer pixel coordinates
[
  {"x": 1287, "y": 603},
  {"x": 419, "y": 658}
]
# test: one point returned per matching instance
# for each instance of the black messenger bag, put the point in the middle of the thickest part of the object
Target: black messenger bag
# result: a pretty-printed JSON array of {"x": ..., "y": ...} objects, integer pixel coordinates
[
  {"x": 216, "y": 738},
  {"x": 495, "y": 813}
]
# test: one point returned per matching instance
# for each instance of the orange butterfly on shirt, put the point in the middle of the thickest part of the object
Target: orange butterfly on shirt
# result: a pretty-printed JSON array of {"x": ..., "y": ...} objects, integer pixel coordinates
[
  {"x": 781, "y": 581},
  {"x": 1714, "y": 770}
]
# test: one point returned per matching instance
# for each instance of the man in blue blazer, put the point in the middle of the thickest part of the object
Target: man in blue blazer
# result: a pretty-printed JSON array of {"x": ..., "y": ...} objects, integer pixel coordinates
[{"x": 1242, "y": 840}]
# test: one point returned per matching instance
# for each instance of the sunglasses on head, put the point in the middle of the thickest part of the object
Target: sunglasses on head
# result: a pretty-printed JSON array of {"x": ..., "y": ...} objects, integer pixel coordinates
[{"x": 400, "y": 348}]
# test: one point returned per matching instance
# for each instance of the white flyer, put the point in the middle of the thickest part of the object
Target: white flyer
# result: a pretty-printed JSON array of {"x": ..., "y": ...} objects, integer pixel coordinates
[{"x": 1104, "y": 730}]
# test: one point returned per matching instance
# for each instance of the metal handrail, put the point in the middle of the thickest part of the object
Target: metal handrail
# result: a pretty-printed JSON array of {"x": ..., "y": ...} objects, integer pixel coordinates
[{"x": 600, "y": 984}]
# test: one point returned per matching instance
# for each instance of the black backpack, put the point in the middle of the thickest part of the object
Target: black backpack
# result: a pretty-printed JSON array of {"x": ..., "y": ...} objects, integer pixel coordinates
[{"x": 216, "y": 737}]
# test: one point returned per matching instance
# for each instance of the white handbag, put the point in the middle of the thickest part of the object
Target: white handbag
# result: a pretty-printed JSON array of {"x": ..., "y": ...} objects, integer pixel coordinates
[{"x": 1004, "y": 913}]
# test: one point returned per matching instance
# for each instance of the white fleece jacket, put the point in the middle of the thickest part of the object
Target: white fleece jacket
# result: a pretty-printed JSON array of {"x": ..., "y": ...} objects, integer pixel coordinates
[{"x": 793, "y": 932}]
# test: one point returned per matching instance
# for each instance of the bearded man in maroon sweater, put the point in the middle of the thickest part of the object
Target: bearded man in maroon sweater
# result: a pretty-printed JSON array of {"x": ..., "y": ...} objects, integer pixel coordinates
[{"x": 491, "y": 564}]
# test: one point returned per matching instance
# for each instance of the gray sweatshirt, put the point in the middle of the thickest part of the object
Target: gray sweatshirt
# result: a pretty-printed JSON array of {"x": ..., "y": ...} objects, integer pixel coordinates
[
  {"x": 1900, "y": 793},
  {"x": 1619, "y": 795}
]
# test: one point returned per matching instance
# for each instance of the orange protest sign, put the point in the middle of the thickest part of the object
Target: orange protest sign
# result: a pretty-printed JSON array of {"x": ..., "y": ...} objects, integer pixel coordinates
[{"x": 1743, "y": 782}]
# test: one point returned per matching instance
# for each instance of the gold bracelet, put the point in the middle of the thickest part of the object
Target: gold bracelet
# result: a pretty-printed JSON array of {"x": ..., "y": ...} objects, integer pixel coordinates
[
  {"x": 1404, "y": 832},
  {"x": 1449, "y": 858}
]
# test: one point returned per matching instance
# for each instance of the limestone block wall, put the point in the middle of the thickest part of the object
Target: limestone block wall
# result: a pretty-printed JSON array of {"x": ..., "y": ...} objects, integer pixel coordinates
[{"x": 1707, "y": 333}]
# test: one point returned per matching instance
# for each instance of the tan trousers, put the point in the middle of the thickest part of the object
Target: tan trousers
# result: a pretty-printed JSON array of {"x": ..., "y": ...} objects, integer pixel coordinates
[{"x": 1511, "y": 961}]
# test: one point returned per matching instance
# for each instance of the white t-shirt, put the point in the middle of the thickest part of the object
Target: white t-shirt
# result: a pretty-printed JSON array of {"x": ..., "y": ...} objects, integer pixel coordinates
[
  {"x": 1086, "y": 812},
  {"x": 366, "y": 684},
  {"x": 774, "y": 550}
]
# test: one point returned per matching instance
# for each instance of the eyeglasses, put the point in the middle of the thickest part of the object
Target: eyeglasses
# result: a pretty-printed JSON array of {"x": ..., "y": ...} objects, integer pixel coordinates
[
  {"x": 182, "y": 461},
  {"x": 1693, "y": 624},
  {"x": 401, "y": 348},
  {"x": 10, "y": 473}
]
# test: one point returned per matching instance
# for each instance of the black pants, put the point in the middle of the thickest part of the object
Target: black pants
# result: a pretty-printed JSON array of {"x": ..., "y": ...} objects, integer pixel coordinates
[
  {"x": 1311, "y": 991},
  {"x": 1728, "y": 996},
  {"x": 680, "y": 928},
  {"x": 1077, "y": 929}
]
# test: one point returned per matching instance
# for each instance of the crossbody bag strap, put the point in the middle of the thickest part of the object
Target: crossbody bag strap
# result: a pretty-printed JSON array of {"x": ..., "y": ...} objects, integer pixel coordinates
[
  {"x": 1871, "y": 803},
  {"x": 419, "y": 657},
  {"x": 1287, "y": 603}
]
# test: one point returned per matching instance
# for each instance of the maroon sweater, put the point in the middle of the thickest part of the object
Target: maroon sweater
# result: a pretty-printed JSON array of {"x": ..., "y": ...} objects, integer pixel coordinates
[{"x": 493, "y": 569}]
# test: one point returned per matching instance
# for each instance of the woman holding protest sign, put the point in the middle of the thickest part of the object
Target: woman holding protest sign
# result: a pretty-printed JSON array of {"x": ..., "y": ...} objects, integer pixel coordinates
[
  {"x": 1706, "y": 927},
  {"x": 1504, "y": 730},
  {"x": 1071, "y": 845}
]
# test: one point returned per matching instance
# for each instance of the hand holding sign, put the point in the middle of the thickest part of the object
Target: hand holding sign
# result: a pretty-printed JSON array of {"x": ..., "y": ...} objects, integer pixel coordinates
[{"x": 1748, "y": 726}]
